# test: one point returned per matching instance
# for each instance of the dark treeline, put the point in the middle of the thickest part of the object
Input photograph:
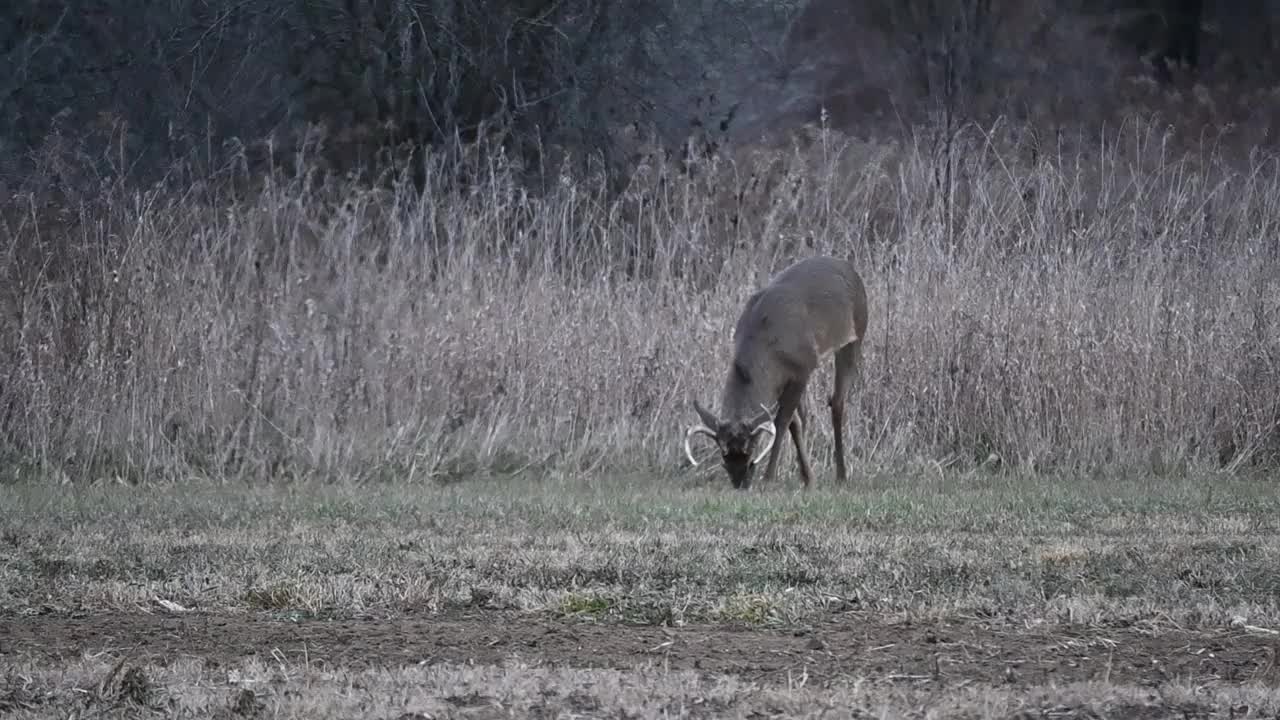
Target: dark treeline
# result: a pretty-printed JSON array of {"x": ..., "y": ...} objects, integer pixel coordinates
[{"x": 131, "y": 89}]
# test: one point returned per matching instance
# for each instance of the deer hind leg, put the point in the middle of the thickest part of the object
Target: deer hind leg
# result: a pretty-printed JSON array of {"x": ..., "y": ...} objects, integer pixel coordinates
[
  {"x": 848, "y": 362},
  {"x": 798, "y": 421},
  {"x": 787, "y": 404}
]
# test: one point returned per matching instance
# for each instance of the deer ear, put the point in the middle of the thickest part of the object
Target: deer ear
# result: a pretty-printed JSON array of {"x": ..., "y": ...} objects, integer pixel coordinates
[{"x": 708, "y": 418}]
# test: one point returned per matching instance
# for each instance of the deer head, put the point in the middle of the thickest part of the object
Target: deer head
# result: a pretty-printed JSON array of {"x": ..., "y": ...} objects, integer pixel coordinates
[{"x": 739, "y": 441}]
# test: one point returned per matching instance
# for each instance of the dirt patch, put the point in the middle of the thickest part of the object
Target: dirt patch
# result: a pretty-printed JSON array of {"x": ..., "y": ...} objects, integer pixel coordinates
[{"x": 847, "y": 646}]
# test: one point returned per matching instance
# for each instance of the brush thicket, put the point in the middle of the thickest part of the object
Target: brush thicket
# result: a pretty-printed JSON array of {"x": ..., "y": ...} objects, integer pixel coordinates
[{"x": 1112, "y": 307}]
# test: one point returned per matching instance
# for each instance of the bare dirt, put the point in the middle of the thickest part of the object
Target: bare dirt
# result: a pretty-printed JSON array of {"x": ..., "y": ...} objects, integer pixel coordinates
[{"x": 846, "y": 646}]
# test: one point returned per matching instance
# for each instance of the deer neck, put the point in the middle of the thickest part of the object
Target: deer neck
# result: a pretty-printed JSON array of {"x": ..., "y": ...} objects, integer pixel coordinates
[{"x": 748, "y": 387}]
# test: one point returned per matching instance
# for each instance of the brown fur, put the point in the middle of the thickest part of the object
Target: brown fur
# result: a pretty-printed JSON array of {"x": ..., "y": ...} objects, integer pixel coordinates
[{"x": 814, "y": 308}]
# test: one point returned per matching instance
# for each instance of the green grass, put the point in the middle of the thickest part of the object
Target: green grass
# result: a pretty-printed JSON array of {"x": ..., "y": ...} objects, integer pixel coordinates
[
  {"x": 1017, "y": 567},
  {"x": 648, "y": 550}
]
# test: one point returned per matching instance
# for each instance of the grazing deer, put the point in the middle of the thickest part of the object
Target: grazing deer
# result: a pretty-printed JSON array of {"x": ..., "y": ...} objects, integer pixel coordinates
[{"x": 814, "y": 308}]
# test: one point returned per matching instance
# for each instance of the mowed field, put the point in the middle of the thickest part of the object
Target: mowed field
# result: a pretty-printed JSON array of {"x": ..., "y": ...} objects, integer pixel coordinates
[
  {"x": 334, "y": 451},
  {"x": 942, "y": 595}
]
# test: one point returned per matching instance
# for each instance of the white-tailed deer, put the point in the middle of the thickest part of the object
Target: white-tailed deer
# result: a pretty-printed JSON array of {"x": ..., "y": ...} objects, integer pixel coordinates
[{"x": 815, "y": 308}]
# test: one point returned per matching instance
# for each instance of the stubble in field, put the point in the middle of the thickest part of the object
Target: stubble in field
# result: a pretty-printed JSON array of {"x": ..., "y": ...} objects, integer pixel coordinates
[{"x": 977, "y": 596}]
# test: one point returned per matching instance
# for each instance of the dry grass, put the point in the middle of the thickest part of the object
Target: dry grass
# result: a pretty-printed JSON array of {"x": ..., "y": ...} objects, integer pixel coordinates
[
  {"x": 348, "y": 409},
  {"x": 1093, "y": 310},
  {"x": 469, "y": 399},
  {"x": 187, "y": 688}
]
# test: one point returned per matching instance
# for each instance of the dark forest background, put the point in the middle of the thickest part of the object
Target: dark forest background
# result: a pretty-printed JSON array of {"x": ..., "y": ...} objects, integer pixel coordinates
[{"x": 133, "y": 88}]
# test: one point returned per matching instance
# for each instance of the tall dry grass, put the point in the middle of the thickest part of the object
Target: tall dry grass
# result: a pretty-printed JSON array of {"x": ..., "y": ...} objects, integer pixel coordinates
[{"x": 1111, "y": 307}]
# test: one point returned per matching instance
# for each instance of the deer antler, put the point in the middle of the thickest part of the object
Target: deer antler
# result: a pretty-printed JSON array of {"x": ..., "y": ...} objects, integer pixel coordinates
[
  {"x": 765, "y": 426},
  {"x": 696, "y": 430}
]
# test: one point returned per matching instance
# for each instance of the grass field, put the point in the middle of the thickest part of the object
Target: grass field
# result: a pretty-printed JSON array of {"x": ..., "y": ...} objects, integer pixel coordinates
[
  {"x": 276, "y": 448},
  {"x": 947, "y": 595}
]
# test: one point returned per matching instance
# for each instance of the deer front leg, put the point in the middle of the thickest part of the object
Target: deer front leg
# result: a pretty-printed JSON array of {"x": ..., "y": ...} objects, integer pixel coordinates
[
  {"x": 847, "y": 361},
  {"x": 787, "y": 405},
  {"x": 797, "y": 436}
]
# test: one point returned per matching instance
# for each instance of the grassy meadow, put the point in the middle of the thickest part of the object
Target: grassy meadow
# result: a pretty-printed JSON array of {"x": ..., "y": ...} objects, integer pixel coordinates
[
  {"x": 312, "y": 412},
  {"x": 906, "y": 596},
  {"x": 1196, "y": 553}
]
